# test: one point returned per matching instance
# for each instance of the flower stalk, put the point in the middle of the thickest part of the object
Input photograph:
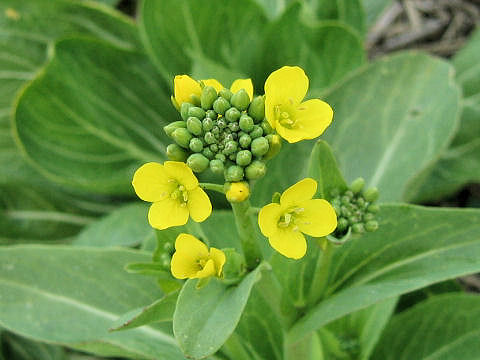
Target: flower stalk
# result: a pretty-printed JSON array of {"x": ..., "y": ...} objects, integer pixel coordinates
[{"x": 322, "y": 272}]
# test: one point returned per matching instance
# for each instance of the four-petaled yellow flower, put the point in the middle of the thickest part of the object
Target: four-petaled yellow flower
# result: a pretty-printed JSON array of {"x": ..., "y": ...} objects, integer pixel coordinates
[
  {"x": 184, "y": 87},
  {"x": 297, "y": 213},
  {"x": 293, "y": 119},
  {"x": 193, "y": 260},
  {"x": 175, "y": 194}
]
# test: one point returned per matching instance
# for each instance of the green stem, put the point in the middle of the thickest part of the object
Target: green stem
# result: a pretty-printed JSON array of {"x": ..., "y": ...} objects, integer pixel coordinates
[
  {"x": 322, "y": 272},
  {"x": 246, "y": 231},
  {"x": 215, "y": 187}
]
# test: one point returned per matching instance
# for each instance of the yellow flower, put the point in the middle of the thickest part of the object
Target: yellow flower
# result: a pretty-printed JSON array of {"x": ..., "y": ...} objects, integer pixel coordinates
[
  {"x": 238, "y": 191},
  {"x": 284, "y": 224},
  {"x": 174, "y": 191},
  {"x": 193, "y": 260},
  {"x": 184, "y": 87},
  {"x": 293, "y": 119}
]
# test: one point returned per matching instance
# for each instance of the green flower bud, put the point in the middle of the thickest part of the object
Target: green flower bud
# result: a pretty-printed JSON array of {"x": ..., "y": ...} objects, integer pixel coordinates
[
  {"x": 349, "y": 193},
  {"x": 214, "y": 148},
  {"x": 221, "y": 105},
  {"x": 240, "y": 100},
  {"x": 228, "y": 137},
  {"x": 266, "y": 127},
  {"x": 342, "y": 224},
  {"x": 368, "y": 217},
  {"x": 345, "y": 200},
  {"x": 361, "y": 202},
  {"x": 168, "y": 247},
  {"x": 371, "y": 194},
  {"x": 244, "y": 157},
  {"x": 371, "y": 226},
  {"x": 255, "y": 170},
  {"x": 259, "y": 146},
  {"x": 207, "y": 124},
  {"x": 358, "y": 228},
  {"x": 196, "y": 145},
  {"x": 226, "y": 94},
  {"x": 194, "y": 125},
  {"x": 209, "y": 95},
  {"x": 197, "y": 162},
  {"x": 276, "y": 197},
  {"x": 234, "y": 268},
  {"x": 184, "y": 110},
  {"x": 234, "y": 126},
  {"x": 182, "y": 137},
  {"x": 215, "y": 130},
  {"x": 170, "y": 128},
  {"x": 216, "y": 166},
  {"x": 209, "y": 138},
  {"x": 257, "y": 109},
  {"x": 211, "y": 114},
  {"x": 230, "y": 148},
  {"x": 245, "y": 141},
  {"x": 220, "y": 157},
  {"x": 357, "y": 185},
  {"x": 246, "y": 123},
  {"x": 174, "y": 103},
  {"x": 176, "y": 153},
  {"x": 195, "y": 100},
  {"x": 234, "y": 173},
  {"x": 208, "y": 153},
  {"x": 373, "y": 208},
  {"x": 197, "y": 112},
  {"x": 232, "y": 157},
  {"x": 232, "y": 114},
  {"x": 275, "y": 144},
  {"x": 256, "y": 132},
  {"x": 221, "y": 124}
]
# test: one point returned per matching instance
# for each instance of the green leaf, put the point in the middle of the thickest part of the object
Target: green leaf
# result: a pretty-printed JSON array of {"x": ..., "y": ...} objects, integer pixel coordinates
[
  {"x": 20, "y": 348},
  {"x": 205, "y": 318},
  {"x": 126, "y": 226},
  {"x": 74, "y": 295},
  {"x": 350, "y": 12},
  {"x": 294, "y": 41},
  {"x": 94, "y": 103},
  {"x": 430, "y": 245},
  {"x": 374, "y": 8},
  {"x": 323, "y": 168},
  {"x": 159, "y": 311},
  {"x": 228, "y": 35},
  {"x": 441, "y": 328},
  {"x": 273, "y": 8},
  {"x": 220, "y": 230},
  {"x": 467, "y": 66}
]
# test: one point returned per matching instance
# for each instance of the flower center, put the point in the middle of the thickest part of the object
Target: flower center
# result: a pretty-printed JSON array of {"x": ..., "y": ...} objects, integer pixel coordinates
[
  {"x": 283, "y": 117},
  {"x": 179, "y": 193},
  {"x": 290, "y": 218}
]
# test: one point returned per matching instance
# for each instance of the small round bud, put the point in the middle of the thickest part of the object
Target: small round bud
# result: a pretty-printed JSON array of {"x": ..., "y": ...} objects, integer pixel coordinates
[
  {"x": 230, "y": 147},
  {"x": 221, "y": 105},
  {"x": 211, "y": 114},
  {"x": 209, "y": 95},
  {"x": 357, "y": 185},
  {"x": 197, "y": 112},
  {"x": 238, "y": 191},
  {"x": 194, "y": 125},
  {"x": 208, "y": 153},
  {"x": 371, "y": 226},
  {"x": 184, "y": 110},
  {"x": 176, "y": 153},
  {"x": 257, "y": 109},
  {"x": 371, "y": 194},
  {"x": 240, "y": 100},
  {"x": 275, "y": 145},
  {"x": 255, "y": 170},
  {"x": 342, "y": 224},
  {"x": 361, "y": 202},
  {"x": 209, "y": 138},
  {"x": 170, "y": 128},
  {"x": 345, "y": 212},
  {"x": 195, "y": 100},
  {"x": 234, "y": 135},
  {"x": 182, "y": 137},
  {"x": 245, "y": 141},
  {"x": 226, "y": 94},
  {"x": 373, "y": 208},
  {"x": 234, "y": 173},
  {"x": 267, "y": 128},
  {"x": 259, "y": 146},
  {"x": 197, "y": 162},
  {"x": 168, "y": 247},
  {"x": 345, "y": 200},
  {"x": 244, "y": 157},
  {"x": 221, "y": 123},
  {"x": 246, "y": 123},
  {"x": 220, "y": 157},
  {"x": 207, "y": 124},
  {"x": 196, "y": 145},
  {"x": 368, "y": 217},
  {"x": 216, "y": 166},
  {"x": 228, "y": 136},
  {"x": 232, "y": 114},
  {"x": 349, "y": 193},
  {"x": 232, "y": 157},
  {"x": 256, "y": 132},
  {"x": 215, "y": 130},
  {"x": 358, "y": 228},
  {"x": 214, "y": 148},
  {"x": 233, "y": 127}
]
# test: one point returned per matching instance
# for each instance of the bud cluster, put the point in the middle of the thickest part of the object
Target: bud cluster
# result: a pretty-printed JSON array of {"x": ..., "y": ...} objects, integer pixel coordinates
[
  {"x": 225, "y": 132},
  {"x": 355, "y": 209}
]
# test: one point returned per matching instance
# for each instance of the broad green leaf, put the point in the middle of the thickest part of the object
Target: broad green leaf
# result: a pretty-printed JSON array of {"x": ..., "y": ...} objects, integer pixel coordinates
[
  {"x": 443, "y": 327},
  {"x": 273, "y": 8},
  {"x": 429, "y": 245},
  {"x": 90, "y": 119},
  {"x": 205, "y": 318},
  {"x": 107, "y": 2},
  {"x": 350, "y": 12},
  {"x": 126, "y": 226},
  {"x": 20, "y": 348},
  {"x": 183, "y": 29},
  {"x": 327, "y": 51},
  {"x": 220, "y": 230},
  {"x": 467, "y": 66},
  {"x": 71, "y": 296},
  {"x": 159, "y": 311}
]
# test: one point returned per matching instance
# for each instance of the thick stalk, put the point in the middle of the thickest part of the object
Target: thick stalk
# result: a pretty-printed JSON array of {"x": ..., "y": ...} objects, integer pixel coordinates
[
  {"x": 214, "y": 187},
  {"x": 246, "y": 231},
  {"x": 322, "y": 272}
]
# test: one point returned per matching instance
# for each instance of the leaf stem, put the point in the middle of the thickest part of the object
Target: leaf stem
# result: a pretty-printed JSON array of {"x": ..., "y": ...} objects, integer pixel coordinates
[
  {"x": 322, "y": 272},
  {"x": 210, "y": 186}
]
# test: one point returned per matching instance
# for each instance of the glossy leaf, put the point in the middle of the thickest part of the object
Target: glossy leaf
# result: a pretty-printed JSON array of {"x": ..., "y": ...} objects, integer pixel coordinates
[
  {"x": 466, "y": 63},
  {"x": 20, "y": 348}
]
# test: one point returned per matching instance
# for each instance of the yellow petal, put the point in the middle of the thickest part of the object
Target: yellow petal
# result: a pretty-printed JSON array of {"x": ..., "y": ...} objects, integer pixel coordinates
[
  {"x": 292, "y": 135},
  {"x": 184, "y": 86},
  {"x": 199, "y": 204},
  {"x": 150, "y": 182},
  {"x": 187, "y": 244},
  {"x": 215, "y": 83},
  {"x": 218, "y": 257},
  {"x": 268, "y": 219},
  {"x": 182, "y": 173},
  {"x": 289, "y": 243},
  {"x": 183, "y": 267},
  {"x": 318, "y": 218},
  {"x": 287, "y": 85},
  {"x": 167, "y": 213},
  {"x": 245, "y": 84},
  {"x": 208, "y": 270},
  {"x": 313, "y": 117},
  {"x": 299, "y": 192}
]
